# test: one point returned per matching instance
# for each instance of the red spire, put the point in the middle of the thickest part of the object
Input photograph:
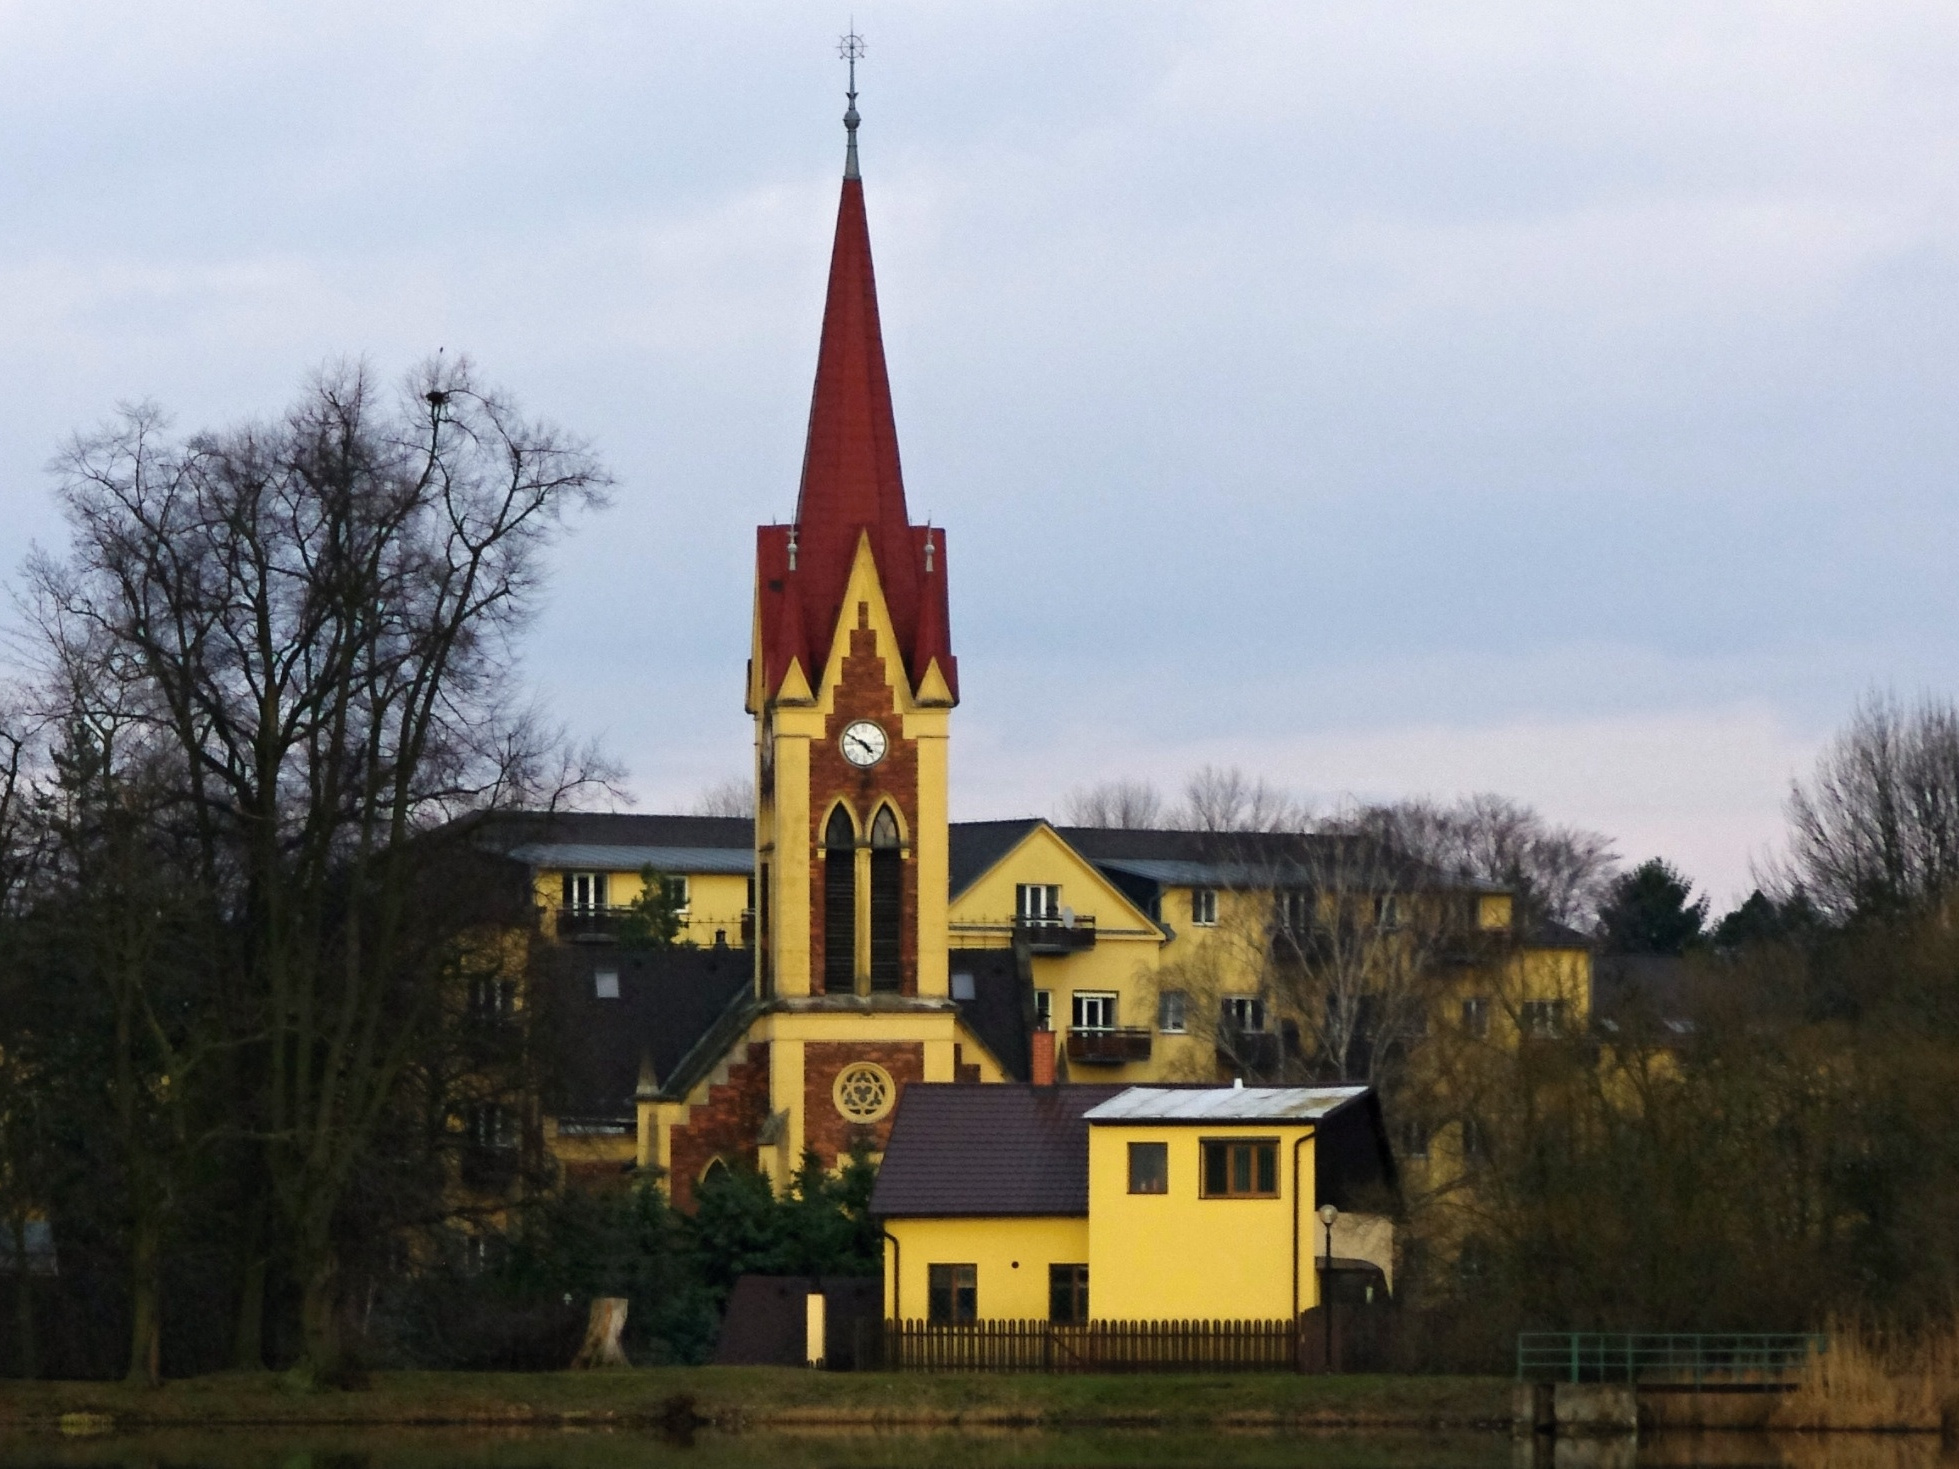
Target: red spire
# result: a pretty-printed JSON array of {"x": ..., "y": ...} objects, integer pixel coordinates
[
  {"x": 851, "y": 479},
  {"x": 852, "y": 486}
]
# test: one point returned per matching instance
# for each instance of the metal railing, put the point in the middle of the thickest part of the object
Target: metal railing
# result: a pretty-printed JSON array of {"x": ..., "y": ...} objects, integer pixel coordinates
[
  {"x": 1056, "y": 935},
  {"x": 1107, "y": 1045},
  {"x": 1657, "y": 1356}
]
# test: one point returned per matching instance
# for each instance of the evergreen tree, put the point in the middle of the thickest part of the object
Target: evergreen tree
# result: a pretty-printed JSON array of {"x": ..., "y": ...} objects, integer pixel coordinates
[
  {"x": 1763, "y": 920},
  {"x": 1648, "y": 911},
  {"x": 653, "y": 919}
]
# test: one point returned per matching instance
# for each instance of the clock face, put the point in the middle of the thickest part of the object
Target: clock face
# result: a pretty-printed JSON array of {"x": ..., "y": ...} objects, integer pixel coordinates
[{"x": 863, "y": 743}]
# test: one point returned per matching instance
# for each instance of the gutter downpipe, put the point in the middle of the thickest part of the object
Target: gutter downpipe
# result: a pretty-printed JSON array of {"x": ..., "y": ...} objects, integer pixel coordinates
[
  {"x": 1297, "y": 1199},
  {"x": 897, "y": 1261}
]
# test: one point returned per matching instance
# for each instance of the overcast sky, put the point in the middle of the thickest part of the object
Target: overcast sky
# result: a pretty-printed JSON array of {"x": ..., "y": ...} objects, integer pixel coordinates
[{"x": 1391, "y": 398}]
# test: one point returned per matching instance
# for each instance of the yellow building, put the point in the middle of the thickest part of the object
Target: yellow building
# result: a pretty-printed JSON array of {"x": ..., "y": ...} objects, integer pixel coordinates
[{"x": 1111, "y": 1203}]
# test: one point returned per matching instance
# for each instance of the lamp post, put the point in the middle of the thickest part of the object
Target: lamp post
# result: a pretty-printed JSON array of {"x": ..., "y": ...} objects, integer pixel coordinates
[{"x": 1327, "y": 1215}]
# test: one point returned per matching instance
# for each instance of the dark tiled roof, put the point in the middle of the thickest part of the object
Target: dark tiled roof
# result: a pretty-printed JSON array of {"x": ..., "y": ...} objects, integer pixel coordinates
[
  {"x": 1548, "y": 933},
  {"x": 987, "y": 1150},
  {"x": 669, "y": 1000},
  {"x": 507, "y": 829},
  {"x": 997, "y": 1013},
  {"x": 977, "y": 845},
  {"x": 1646, "y": 986},
  {"x": 1254, "y": 858}
]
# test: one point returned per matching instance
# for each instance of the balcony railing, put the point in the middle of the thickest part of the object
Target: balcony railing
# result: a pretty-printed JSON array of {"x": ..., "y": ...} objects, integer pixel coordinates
[
  {"x": 1254, "y": 1050},
  {"x": 490, "y": 1167},
  {"x": 589, "y": 925},
  {"x": 1056, "y": 935},
  {"x": 601, "y": 926},
  {"x": 1107, "y": 1046}
]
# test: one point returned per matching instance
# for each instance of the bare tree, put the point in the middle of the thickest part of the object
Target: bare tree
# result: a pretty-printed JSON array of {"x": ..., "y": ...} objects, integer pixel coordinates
[
  {"x": 1323, "y": 963},
  {"x": 734, "y": 796},
  {"x": 1559, "y": 873},
  {"x": 318, "y": 614},
  {"x": 1875, "y": 831},
  {"x": 1121, "y": 805},
  {"x": 1225, "y": 798}
]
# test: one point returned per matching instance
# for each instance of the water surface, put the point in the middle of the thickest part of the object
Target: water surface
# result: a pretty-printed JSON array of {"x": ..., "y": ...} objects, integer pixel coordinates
[{"x": 967, "y": 1449}]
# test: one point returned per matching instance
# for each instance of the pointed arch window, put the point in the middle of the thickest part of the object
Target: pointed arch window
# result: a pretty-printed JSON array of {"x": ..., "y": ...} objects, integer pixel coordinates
[
  {"x": 839, "y": 903},
  {"x": 887, "y": 902}
]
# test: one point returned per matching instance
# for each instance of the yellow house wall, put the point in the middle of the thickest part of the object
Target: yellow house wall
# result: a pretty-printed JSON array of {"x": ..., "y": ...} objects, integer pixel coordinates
[
  {"x": 1178, "y": 1256},
  {"x": 1011, "y": 1257},
  {"x": 715, "y": 900},
  {"x": 1121, "y": 962}
]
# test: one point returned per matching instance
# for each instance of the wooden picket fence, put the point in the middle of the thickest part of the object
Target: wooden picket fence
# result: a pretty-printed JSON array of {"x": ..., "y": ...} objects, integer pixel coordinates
[{"x": 1099, "y": 1346}]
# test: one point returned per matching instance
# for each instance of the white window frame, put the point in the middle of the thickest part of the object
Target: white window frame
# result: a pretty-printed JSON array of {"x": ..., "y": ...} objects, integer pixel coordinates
[
  {"x": 492, "y": 1125},
  {"x": 1088, "y": 1002},
  {"x": 1542, "y": 1019},
  {"x": 1476, "y": 1016},
  {"x": 1037, "y": 902},
  {"x": 586, "y": 891},
  {"x": 1172, "y": 1012},
  {"x": 1203, "y": 907},
  {"x": 1044, "y": 1009},
  {"x": 491, "y": 998},
  {"x": 1235, "y": 1010}
]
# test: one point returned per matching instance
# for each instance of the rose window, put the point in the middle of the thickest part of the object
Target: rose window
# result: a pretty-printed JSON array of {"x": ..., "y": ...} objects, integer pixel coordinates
[{"x": 864, "y": 1092}]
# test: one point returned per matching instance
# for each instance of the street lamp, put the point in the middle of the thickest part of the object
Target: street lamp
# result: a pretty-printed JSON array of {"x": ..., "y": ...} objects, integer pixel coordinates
[{"x": 1327, "y": 1215}]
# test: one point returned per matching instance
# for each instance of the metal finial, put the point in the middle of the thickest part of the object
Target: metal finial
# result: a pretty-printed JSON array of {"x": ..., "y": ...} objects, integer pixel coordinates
[{"x": 850, "y": 46}]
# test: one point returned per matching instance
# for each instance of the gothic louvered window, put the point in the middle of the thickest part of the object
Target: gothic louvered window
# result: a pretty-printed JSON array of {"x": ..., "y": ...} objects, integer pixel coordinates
[
  {"x": 839, "y": 904},
  {"x": 887, "y": 902}
]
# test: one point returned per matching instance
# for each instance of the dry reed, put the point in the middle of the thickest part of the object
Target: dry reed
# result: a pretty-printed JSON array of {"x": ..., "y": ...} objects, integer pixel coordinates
[{"x": 1875, "y": 1381}]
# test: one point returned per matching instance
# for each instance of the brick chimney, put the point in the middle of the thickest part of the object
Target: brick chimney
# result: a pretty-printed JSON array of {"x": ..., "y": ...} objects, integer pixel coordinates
[{"x": 1041, "y": 1058}]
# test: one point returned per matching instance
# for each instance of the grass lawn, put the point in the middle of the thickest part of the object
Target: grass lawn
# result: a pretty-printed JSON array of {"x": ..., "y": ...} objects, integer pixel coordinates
[{"x": 768, "y": 1397}]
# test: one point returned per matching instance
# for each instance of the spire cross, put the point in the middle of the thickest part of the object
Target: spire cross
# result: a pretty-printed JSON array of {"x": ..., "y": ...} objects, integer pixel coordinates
[{"x": 850, "y": 47}]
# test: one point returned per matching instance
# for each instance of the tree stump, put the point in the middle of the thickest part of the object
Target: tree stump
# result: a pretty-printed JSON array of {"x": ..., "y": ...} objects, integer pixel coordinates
[{"x": 601, "y": 1347}]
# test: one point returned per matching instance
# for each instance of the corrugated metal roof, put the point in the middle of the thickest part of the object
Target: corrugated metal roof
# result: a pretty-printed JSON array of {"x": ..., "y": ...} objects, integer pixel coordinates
[
  {"x": 607, "y": 858},
  {"x": 1225, "y": 1104}
]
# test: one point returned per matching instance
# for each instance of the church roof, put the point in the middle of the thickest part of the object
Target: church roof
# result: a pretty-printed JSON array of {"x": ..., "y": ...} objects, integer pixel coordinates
[{"x": 852, "y": 489}]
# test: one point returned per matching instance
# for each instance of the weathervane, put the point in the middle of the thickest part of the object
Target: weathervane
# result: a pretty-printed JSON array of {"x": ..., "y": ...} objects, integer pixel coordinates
[{"x": 850, "y": 46}]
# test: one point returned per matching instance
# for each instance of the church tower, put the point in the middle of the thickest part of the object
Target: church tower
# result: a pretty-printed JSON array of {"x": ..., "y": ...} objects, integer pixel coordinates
[{"x": 851, "y": 683}]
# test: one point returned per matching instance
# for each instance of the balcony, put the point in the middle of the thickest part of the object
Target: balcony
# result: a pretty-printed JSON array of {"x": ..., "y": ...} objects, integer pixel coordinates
[
  {"x": 1056, "y": 935},
  {"x": 492, "y": 1169},
  {"x": 1259, "y": 1051},
  {"x": 1111, "y": 1046},
  {"x": 589, "y": 925}
]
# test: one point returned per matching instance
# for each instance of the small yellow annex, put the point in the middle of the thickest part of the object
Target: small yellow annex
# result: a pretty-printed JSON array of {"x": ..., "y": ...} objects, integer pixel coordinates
[{"x": 1147, "y": 1203}]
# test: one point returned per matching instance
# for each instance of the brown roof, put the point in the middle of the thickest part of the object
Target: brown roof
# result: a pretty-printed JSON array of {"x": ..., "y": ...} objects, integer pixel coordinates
[{"x": 987, "y": 1149}]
